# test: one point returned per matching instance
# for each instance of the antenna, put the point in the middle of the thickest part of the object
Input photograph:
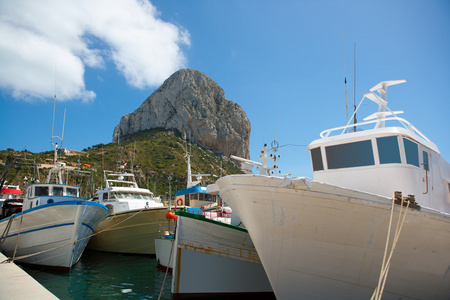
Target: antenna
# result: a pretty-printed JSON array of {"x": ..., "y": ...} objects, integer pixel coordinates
[
  {"x": 53, "y": 120},
  {"x": 345, "y": 71},
  {"x": 354, "y": 88},
  {"x": 64, "y": 122},
  {"x": 53, "y": 125}
]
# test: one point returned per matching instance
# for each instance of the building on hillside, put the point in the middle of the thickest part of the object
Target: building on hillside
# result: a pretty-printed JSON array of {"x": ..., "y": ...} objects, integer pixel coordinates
[{"x": 73, "y": 152}]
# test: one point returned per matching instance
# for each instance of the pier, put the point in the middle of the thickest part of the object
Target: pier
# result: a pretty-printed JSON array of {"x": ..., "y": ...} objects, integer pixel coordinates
[{"x": 15, "y": 283}]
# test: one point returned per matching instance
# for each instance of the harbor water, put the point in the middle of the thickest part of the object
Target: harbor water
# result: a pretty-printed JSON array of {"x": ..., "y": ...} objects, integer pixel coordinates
[{"x": 100, "y": 275}]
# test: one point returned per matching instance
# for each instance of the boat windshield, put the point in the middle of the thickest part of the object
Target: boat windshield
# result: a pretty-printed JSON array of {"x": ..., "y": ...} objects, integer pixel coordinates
[
  {"x": 41, "y": 191},
  {"x": 58, "y": 190},
  {"x": 199, "y": 196},
  {"x": 71, "y": 192},
  {"x": 131, "y": 196},
  {"x": 360, "y": 153}
]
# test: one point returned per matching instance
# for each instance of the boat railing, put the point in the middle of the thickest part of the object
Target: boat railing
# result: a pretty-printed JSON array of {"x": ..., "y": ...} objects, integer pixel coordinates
[
  {"x": 121, "y": 183},
  {"x": 218, "y": 215},
  {"x": 166, "y": 227},
  {"x": 405, "y": 123}
]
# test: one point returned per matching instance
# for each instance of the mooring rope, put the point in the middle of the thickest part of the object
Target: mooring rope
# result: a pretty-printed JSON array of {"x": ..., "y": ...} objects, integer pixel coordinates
[
  {"x": 18, "y": 233},
  {"x": 6, "y": 231},
  {"x": 387, "y": 263},
  {"x": 74, "y": 242}
]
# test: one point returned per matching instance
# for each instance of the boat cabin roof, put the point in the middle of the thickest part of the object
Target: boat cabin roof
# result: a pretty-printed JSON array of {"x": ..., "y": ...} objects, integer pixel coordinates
[{"x": 191, "y": 190}]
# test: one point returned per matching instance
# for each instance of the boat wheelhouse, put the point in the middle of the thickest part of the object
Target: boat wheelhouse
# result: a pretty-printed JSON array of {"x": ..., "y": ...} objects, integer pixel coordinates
[
  {"x": 195, "y": 196},
  {"x": 44, "y": 193},
  {"x": 384, "y": 158},
  {"x": 122, "y": 193}
]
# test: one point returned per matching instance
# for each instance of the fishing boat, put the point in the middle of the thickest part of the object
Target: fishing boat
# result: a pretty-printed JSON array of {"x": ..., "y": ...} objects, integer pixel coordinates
[
  {"x": 193, "y": 199},
  {"x": 374, "y": 220},
  {"x": 10, "y": 200},
  {"x": 214, "y": 257},
  {"x": 9, "y": 192},
  {"x": 164, "y": 244},
  {"x": 132, "y": 224},
  {"x": 54, "y": 225}
]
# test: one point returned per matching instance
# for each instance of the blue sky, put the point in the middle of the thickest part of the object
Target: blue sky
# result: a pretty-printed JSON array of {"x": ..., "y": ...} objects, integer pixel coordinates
[{"x": 282, "y": 61}]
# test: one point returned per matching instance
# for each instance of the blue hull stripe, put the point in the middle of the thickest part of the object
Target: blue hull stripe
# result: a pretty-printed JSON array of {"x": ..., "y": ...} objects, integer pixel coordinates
[
  {"x": 42, "y": 228},
  {"x": 49, "y": 227},
  {"x": 72, "y": 202},
  {"x": 88, "y": 226}
]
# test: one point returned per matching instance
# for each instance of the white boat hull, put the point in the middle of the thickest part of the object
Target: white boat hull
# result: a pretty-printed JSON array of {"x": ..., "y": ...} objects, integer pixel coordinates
[
  {"x": 164, "y": 253},
  {"x": 216, "y": 260},
  {"x": 58, "y": 233},
  {"x": 318, "y": 241},
  {"x": 132, "y": 232}
]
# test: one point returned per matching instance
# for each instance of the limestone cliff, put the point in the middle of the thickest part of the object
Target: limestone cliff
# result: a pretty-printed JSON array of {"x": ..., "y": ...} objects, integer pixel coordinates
[{"x": 192, "y": 103}]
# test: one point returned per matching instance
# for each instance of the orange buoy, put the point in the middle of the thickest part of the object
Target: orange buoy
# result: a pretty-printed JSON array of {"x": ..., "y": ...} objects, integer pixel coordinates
[{"x": 170, "y": 215}]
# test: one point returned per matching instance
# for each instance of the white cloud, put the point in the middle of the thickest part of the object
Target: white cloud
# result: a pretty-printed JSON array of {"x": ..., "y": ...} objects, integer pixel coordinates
[{"x": 48, "y": 42}]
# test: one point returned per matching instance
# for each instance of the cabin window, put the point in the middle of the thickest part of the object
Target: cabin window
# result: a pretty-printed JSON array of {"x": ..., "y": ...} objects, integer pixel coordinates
[
  {"x": 350, "y": 155},
  {"x": 425, "y": 161},
  {"x": 388, "y": 150},
  {"x": 316, "y": 157},
  {"x": 125, "y": 196},
  {"x": 201, "y": 197},
  {"x": 193, "y": 196},
  {"x": 41, "y": 191},
  {"x": 147, "y": 197},
  {"x": 58, "y": 190},
  {"x": 411, "y": 152},
  {"x": 136, "y": 196},
  {"x": 71, "y": 192}
]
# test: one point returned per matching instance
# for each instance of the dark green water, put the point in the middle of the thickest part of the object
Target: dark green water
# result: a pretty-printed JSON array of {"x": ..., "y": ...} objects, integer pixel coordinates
[{"x": 100, "y": 275}]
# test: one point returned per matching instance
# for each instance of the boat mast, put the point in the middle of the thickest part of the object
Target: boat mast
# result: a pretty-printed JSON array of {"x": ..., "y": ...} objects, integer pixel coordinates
[{"x": 381, "y": 88}]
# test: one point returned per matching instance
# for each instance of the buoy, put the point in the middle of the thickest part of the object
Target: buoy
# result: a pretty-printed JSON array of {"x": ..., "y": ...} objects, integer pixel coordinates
[{"x": 170, "y": 215}]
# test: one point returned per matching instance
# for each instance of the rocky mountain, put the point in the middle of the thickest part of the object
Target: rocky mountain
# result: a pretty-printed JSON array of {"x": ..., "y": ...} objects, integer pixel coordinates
[{"x": 193, "y": 104}]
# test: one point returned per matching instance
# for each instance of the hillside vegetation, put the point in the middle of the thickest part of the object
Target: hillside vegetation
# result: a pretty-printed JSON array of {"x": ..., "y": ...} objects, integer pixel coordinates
[{"x": 153, "y": 155}]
